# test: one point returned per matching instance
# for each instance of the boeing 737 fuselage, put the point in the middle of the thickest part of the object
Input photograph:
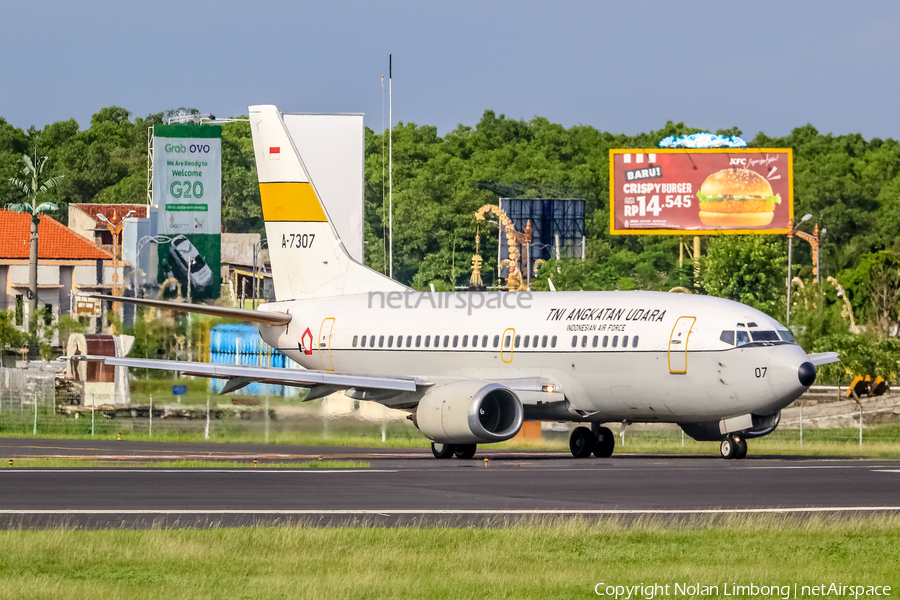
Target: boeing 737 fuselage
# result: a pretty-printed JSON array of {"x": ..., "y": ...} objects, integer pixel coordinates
[{"x": 470, "y": 367}]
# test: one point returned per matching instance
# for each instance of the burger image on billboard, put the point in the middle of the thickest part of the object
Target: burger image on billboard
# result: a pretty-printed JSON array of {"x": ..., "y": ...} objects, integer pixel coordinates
[{"x": 737, "y": 198}]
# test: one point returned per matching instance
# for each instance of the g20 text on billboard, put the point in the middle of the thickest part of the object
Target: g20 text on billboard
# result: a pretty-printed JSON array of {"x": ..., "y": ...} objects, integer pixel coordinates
[{"x": 673, "y": 191}]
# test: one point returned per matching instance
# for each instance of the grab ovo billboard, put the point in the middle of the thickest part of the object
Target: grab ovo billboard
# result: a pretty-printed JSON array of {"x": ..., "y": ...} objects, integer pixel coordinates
[{"x": 187, "y": 188}]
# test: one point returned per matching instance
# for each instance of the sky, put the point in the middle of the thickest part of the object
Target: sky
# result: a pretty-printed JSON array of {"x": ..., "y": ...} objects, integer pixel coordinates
[{"x": 620, "y": 66}]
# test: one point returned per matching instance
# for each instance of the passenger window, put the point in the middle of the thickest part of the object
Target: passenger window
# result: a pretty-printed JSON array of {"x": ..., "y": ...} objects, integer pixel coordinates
[
  {"x": 496, "y": 340},
  {"x": 743, "y": 338},
  {"x": 527, "y": 339},
  {"x": 727, "y": 337},
  {"x": 455, "y": 340},
  {"x": 474, "y": 341},
  {"x": 390, "y": 341},
  {"x": 427, "y": 341},
  {"x": 605, "y": 341},
  {"x": 408, "y": 341},
  {"x": 574, "y": 341},
  {"x": 615, "y": 341},
  {"x": 634, "y": 342},
  {"x": 363, "y": 343},
  {"x": 355, "y": 340},
  {"x": 465, "y": 341},
  {"x": 381, "y": 341},
  {"x": 625, "y": 341},
  {"x": 534, "y": 342},
  {"x": 553, "y": 342},
  {"x": 518, "y": 339},
  {"x": 484, "y": 341},
  {"x": 418, "y": 341},
  {"x": 544, "y": 342},
  {"x": 584, "y": 341},
  {"x": 399, "y": 341},
  {"x": 506, "y": 341},
  {"x": 595, "y": 341},
  {"x": 446, "y": 341}
]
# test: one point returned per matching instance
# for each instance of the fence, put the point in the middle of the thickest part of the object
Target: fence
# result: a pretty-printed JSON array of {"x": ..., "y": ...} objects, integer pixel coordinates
[{"x": 32, "y": 403}]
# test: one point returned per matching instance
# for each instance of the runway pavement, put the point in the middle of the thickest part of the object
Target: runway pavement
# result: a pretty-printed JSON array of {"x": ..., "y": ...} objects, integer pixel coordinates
[{"x": 405, "y": 486}]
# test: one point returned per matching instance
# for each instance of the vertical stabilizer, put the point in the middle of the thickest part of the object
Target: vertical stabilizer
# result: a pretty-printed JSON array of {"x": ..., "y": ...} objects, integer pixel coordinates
[{"x": 307, "y": 256}]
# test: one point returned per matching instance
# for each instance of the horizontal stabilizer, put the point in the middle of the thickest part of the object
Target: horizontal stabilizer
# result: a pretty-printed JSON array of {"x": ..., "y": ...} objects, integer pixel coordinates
[
  {"x": 824, "y": 358},
  {"x": 253, "y": 316},
  {"x": 274, "y": 375}
]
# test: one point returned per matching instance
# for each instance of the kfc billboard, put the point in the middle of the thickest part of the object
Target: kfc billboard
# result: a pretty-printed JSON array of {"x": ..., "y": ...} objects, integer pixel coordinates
[{"x": 675, "y": 191}]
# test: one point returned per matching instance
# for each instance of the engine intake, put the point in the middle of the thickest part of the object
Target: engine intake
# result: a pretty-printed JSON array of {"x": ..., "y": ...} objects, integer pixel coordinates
[{"x": 469, "y": 412}]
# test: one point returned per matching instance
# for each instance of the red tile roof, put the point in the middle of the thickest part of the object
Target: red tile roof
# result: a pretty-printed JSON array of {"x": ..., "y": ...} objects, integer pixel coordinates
[
  {"x": 114, "y": 212},
  {"x": 55, "y": 240}
]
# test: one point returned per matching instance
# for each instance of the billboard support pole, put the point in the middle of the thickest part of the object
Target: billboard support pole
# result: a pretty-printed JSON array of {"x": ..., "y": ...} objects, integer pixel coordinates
[{"x": 696, "y": 261}]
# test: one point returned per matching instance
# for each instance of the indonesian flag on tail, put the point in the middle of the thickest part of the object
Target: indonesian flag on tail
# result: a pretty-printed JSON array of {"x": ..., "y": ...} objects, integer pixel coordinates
[{"x": 274, "y": 153}]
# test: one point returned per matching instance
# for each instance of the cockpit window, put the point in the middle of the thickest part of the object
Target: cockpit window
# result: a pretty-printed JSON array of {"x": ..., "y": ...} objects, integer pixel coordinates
[
  {"x": 752, "y": 325},
  {"x": 765, "y": 336},
  {"x": 727, "y": 337},
  {"x": 786, "y": 336},
  {"x": 743, "y": 338}
]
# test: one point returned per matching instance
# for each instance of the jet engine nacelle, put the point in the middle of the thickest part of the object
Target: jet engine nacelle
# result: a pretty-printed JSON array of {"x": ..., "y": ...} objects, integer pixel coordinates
[{"x": 469, "y": 412}]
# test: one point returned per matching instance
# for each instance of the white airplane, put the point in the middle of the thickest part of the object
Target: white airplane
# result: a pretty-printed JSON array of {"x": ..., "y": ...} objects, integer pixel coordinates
[{"x": 470, "y": 367}]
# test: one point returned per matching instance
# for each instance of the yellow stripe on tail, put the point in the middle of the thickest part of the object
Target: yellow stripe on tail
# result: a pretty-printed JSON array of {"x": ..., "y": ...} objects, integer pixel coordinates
[{"x": 291, "y": 201}]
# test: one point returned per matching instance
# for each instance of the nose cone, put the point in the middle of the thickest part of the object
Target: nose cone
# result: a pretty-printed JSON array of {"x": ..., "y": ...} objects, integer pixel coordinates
[{"x": 807, "y": 374}]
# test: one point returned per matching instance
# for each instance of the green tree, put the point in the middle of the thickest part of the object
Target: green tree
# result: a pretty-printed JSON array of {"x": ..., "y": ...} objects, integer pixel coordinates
[
  {"x": 749, "y": 269},
  {"x": 34, "y": 185}
]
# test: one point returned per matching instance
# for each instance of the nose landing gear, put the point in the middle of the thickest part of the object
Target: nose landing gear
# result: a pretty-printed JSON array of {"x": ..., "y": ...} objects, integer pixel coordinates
[
  {"x": 598, "y": 441},
  {"x": 733, "y": 446}
]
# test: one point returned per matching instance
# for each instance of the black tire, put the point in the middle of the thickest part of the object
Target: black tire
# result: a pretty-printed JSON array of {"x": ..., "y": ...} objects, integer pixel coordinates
[
  {"x": 604, "y": 443},
  {"x": 442, "y": 450},
  {"x": 581, "y": 442},
  {"x": 465, "y": 451},
  {"x": 741, "y": 448},
  {"x": 728, "y": 448}
]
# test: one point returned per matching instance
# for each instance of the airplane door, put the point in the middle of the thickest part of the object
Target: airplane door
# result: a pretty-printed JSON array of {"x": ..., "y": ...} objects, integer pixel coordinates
[
  {"x": 678, "y": 344},
  {"x": 325, "y": 343},
  {"x": 506, "y": 345}
]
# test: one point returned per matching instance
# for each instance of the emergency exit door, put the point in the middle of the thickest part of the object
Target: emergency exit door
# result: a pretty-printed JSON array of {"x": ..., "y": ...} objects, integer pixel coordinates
[{"x": 678, "y": 344}]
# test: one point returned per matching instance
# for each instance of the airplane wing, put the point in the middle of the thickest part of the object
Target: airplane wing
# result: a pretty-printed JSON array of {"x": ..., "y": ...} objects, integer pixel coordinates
[
  {"x": 321, "y": 383},
  {"x": 824, "y": 358},
  {"x": 254, "y": 316}
]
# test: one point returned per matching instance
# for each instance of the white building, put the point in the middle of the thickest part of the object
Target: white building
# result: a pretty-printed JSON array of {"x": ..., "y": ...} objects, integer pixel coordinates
[{"x": 68, "y": 263}]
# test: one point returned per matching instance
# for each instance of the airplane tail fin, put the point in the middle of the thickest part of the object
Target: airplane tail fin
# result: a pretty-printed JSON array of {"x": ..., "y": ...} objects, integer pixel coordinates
[{"x": 307, "y": 256}]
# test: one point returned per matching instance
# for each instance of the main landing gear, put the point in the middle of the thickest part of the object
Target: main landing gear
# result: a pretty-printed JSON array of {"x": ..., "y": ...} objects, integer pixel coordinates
[
  {"x": 464, "y": 451},
  {"x": 733, "y": 446},
  {"x": 598, "y": 441}
]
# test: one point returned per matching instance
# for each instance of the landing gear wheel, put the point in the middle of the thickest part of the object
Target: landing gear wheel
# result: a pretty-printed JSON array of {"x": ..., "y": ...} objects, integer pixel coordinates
[
  {"x": 581, "y": 443},
  {"x": 465, "y": 451},
  {"x": 729, "y": 448},
  {"x": 741, "y": 448},
  {"x": 604, "y": 443},
  {"x": 442, "y": 450}
]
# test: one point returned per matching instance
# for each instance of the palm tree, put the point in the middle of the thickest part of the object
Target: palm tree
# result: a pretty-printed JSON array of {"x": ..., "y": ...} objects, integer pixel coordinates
[{"x": 33, "y": 185}]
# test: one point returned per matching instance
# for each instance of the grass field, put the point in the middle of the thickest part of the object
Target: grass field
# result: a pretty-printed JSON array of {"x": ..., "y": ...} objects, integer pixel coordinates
[
  {"x": 57, "y": 463},
  {"x": 562, "y": 558}
]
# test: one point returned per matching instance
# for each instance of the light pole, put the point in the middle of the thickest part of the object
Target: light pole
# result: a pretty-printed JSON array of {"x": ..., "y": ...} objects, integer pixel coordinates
[
  {"x": 115, "y": 230},
  {"x": 790, "y": 235}
]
